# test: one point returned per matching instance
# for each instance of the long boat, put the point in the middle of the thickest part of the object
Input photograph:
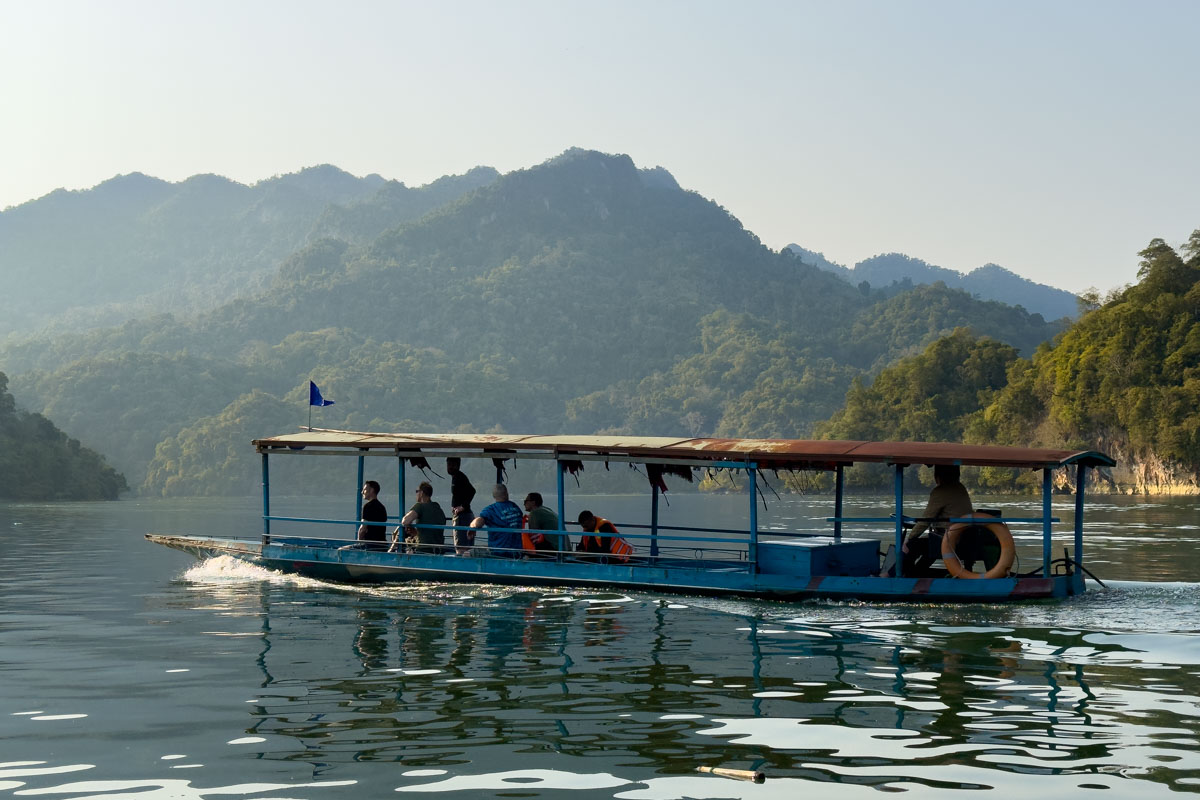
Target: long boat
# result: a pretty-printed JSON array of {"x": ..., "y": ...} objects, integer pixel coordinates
[{"x": 748, "y": 562}]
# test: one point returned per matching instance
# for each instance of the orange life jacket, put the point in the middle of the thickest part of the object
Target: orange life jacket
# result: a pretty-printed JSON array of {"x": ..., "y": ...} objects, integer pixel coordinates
[
  {"x": 528, "y": 538},
  {"x": 532, "y": 541},
  {"x": 618, "y": 547}
]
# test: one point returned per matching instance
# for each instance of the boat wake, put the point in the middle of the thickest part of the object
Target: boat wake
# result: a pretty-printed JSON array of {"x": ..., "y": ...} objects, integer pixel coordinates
[{"x": 226, "y": 570}]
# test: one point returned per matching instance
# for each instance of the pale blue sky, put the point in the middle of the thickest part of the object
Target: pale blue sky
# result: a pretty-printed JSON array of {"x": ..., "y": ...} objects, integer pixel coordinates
[{"x": 1053, "y": 138}]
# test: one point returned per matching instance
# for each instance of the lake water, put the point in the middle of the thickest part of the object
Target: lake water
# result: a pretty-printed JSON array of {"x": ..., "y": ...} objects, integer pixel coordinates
[{"x": 128, "y": 670}]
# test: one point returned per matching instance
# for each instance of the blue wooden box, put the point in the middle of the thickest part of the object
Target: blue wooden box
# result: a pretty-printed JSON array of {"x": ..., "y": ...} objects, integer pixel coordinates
[{"x": 819, "y": 555}]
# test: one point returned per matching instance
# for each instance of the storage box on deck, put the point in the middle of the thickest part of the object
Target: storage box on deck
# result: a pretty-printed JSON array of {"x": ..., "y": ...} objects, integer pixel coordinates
[{"x": 819, "y": 555}]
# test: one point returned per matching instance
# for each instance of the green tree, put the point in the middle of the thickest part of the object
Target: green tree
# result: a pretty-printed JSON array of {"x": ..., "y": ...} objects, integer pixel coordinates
[
  {"x": 40, "y": 462},
  {"x": 1125, "y": 376},
  {"x": 931, "y": 397}
]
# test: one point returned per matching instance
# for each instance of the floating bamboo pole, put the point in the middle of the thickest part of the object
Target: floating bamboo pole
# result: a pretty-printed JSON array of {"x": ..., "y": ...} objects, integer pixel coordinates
[{"x": 738, "y": 774}]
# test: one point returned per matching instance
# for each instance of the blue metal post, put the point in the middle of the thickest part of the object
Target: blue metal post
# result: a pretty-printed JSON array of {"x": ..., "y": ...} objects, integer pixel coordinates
[
  {"x": 358, "y": 503},
  {"x": 1080, "y": 481},
  {"x": 899, "y": 520},
  {"x": 1047, "y": 527},
  {"x": 839, "y": 487},
  {"x": 752, "y": 471},
  {"x": 562, "y": 503},
  {"x": 266, "y": 490},
  {"x": 400, "y": 488},
  {"x": 562, "y": 500},
  {"x": 653, "y": 521}
]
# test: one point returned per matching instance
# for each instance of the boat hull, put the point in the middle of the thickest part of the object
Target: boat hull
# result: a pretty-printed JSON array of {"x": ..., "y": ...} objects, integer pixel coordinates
[{"x": 316, "y": 559}]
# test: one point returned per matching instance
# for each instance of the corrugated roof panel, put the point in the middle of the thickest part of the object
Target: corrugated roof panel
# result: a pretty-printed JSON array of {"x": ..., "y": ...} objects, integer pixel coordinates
[{"x": 772, "y": 453}]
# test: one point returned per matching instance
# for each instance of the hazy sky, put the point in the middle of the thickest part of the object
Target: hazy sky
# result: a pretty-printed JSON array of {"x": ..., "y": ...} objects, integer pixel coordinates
[{"x": 1053, "y": 138}]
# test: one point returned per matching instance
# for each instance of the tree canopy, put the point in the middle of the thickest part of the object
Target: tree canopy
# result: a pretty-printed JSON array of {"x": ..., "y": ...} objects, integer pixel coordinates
[
  {"x": 1125, "y": 377},
  {"x": 40, "y": 462}
]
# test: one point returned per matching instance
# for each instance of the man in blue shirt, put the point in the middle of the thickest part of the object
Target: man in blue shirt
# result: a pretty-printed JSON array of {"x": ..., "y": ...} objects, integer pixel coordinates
[{"x": 501, "y": 514}]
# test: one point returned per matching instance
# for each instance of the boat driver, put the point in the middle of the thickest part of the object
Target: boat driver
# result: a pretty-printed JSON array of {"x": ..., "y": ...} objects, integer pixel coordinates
[{"x": 948, "y": 500}]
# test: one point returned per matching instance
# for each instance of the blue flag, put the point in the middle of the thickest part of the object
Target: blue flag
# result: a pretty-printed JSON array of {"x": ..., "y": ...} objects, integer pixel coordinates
[{"x": 314, "y": 396}]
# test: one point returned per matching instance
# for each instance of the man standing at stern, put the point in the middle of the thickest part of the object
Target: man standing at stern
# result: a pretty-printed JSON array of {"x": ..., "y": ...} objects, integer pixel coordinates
[{"x": 461, "y": 495}]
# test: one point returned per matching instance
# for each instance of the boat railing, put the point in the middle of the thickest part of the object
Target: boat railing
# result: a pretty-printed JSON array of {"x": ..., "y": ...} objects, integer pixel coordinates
[
  {"x": 272, "y": 518},
  {"x": 907, "y": 520},
  {"x": 677, "y": 556},
  {"x": 703, "y": 546},
  {"x": 739, "y": 532}
]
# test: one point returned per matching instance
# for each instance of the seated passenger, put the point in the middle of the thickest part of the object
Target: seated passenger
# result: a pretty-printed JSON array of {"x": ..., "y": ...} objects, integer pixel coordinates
[
  {"x": 543, "y": 519},
  {"x": 370, "y": 537},
  {"x": 948, "y": 500},
  {"x": 601, "y": 548},
  {"x": 424, "y": 512},
  {"x": 503, "y": 521}
]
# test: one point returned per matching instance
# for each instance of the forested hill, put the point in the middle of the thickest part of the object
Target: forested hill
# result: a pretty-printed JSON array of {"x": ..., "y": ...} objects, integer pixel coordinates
[
  {"x": 39, "y": 462},
  {"x": 138, "y": 245},
  {"x": 583, "y": 294},
  {"x": 1125, "y": 379},
  {"x": 990, "y": 282}
]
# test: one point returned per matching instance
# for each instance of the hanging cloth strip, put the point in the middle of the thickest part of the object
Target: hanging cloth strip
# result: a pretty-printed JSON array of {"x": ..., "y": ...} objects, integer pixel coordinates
[
  {"x": 573, "y": 467},
  {"x": 501, "y": 470},
  {"x": 655, "y": 473},
  {"x": 419, "y": 462}
]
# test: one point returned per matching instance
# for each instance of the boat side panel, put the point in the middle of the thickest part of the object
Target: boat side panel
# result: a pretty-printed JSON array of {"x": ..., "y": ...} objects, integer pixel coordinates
[
  {"x": 733, "y": 578},
  {"x": 358, "y": 565},
  {"x": 365, "y": 565}
]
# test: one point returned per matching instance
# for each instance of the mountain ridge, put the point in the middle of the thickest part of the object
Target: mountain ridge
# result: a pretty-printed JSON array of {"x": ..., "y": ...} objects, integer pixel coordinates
[
  {"x": 135, "y": 244},
  {"x": 990, "y": 281},
  {"x": 583, "y": 293}
]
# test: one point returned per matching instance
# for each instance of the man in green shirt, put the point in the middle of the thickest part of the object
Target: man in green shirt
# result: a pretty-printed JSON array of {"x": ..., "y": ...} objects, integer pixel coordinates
[
  {"x": 424, "y": 512},
  {"x": 543, "y": 519}
]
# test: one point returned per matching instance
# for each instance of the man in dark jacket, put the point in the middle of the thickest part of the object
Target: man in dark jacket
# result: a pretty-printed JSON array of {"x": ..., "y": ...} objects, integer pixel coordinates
[
  {"x": 373, "y": 537},
  {"x": 461, "y": 495}
]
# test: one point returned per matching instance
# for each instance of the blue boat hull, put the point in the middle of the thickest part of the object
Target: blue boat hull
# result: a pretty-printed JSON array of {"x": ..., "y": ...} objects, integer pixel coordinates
[{"x": 316, "y": 559}]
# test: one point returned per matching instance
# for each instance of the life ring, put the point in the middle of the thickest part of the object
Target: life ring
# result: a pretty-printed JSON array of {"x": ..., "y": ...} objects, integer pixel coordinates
[{"x": 1008, "y": 550}]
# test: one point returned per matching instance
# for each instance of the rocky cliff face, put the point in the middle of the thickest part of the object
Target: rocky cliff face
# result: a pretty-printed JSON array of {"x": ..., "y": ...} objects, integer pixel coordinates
[
  {"x": 1135, "y": 473},
  {"x": 1145, "y": 473}
]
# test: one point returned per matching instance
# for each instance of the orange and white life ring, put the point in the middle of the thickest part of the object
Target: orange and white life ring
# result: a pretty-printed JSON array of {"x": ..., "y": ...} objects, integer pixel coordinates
[{"x": 1008, "y": 550}]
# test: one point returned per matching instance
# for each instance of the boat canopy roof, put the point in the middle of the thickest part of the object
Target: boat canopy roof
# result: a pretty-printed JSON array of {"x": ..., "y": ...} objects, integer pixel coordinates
[{"x": 786, "y": 454}]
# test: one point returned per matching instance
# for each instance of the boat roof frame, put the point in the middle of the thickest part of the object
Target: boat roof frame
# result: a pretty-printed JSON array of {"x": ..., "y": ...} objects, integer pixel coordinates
[{"x": 777, "y": 454}]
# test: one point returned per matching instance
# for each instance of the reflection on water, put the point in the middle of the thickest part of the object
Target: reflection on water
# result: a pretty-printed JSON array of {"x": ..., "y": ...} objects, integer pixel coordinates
[
  {"x": 968, "y": 699},
  {"x": 251, "y": 683},
  {"x": 176, "y": 789}
]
